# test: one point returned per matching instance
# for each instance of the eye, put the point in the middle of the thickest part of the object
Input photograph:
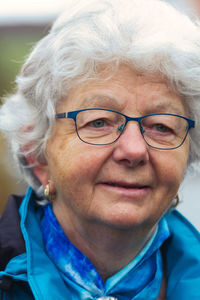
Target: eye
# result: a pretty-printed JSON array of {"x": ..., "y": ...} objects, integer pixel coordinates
[
  {"x": 97, "y": 123},
  {"x": 161, "y": 128}
]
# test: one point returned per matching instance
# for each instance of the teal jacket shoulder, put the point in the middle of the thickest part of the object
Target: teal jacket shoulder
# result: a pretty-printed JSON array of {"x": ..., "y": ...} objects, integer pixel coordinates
[{"x": 182, "y": 257}]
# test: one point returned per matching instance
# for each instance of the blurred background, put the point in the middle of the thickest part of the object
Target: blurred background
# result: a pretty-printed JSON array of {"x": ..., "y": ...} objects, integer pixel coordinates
[{"x": 22, "y": 24}]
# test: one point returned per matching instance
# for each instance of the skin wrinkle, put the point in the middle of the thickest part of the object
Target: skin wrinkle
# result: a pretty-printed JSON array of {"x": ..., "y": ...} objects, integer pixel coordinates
[
  {"x": 95, "y": 101},
  {"x": 96, "y": 218},
  {"x": 101, "y": 101}
]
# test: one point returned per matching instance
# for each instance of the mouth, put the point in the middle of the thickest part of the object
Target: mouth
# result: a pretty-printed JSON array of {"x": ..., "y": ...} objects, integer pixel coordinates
[
  {"x": 125, "y": 185},
  {"x": 125, "y": 189}
]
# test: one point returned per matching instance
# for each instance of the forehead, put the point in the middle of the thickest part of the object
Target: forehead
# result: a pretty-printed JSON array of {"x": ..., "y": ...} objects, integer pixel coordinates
[{"x": 126, "y": 90}]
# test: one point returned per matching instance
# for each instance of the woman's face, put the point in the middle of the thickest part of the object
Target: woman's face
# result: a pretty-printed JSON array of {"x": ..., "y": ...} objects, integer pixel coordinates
[{"x": 124, "y": 184}]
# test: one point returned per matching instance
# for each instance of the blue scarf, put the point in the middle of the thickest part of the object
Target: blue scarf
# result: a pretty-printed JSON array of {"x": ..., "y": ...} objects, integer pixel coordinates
[{"x": 140, "y": 279}]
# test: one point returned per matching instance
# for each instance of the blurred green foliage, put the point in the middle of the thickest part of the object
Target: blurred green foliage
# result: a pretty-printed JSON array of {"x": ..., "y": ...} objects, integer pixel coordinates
[{"x": 15, "y": 44}]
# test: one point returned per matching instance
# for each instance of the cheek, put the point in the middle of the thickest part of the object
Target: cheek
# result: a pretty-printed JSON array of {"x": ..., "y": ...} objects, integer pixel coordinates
[
  {"x": 170, "y": 168},
  {"x": 84, "y": 162},
  {"x": 74, "y": 172},
  {"x": 75, "y": 165}
]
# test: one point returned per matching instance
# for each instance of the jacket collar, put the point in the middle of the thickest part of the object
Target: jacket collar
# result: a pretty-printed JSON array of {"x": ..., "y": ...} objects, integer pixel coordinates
[
  {"x": 37, "y": 260},
  {"x": 30, "y": 266}
]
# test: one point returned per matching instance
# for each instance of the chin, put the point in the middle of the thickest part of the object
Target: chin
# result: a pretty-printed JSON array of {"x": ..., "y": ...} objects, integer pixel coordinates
[{"x": 129, "y": 221}]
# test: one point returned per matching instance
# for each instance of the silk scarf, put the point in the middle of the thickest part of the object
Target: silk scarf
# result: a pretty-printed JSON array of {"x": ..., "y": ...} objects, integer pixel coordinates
[{"x": 140, "y": 279}]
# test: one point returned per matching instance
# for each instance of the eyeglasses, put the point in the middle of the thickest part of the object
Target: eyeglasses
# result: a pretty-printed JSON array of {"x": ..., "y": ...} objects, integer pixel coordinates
[{"x": 99, "y": 126}]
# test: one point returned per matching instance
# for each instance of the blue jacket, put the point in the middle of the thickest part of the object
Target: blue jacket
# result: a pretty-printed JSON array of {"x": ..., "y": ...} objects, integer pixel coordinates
[{"x": 28, "y": 273}]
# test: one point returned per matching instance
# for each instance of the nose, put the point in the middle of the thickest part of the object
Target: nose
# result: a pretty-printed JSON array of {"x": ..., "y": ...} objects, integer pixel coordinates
[{"x": 131, "y": 148}]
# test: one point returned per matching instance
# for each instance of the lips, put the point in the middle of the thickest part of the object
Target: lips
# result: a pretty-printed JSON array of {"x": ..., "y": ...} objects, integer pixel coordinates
[
  {"x": 123, "y": 189},
  {"x": 125, "y": 185}
]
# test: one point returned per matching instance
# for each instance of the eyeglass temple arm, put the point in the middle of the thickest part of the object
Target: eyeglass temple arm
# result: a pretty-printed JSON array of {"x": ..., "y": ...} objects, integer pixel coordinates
[
  {"x": 191, "y": 123},
  {"x": 71, "y": 115},
  {"x": 61, "y": 115}
]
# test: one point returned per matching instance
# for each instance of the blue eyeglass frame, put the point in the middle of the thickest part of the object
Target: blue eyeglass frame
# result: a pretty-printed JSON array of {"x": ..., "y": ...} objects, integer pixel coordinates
[{"x": 73, "y": 115}]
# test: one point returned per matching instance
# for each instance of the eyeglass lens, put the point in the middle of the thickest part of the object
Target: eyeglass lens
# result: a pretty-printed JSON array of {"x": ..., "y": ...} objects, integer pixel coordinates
[{"x": 102, "y": 127}]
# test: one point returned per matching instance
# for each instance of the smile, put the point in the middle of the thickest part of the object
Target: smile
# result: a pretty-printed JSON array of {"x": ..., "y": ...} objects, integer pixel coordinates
[
  {"x": 126, "y": 189},
  {"x": 125, "y": 185}
]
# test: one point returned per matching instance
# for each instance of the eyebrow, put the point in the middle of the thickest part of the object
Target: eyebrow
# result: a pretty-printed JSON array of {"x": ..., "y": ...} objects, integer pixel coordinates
[
  {"x": 100, "y": 101},
  {"x": 105, "y": 101},
  {"x": 168, "y": 107}
]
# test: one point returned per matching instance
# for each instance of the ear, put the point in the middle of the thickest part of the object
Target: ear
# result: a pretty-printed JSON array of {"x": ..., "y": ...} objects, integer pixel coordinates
[{"x": 40, "y": 169}]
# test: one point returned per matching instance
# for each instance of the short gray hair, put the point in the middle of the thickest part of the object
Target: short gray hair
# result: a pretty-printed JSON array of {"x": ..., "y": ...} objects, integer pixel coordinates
[{"x": 148, "y": 35}]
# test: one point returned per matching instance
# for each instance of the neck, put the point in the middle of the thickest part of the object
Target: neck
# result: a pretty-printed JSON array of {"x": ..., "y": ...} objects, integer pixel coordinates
[{"x": 108, "y": 248}]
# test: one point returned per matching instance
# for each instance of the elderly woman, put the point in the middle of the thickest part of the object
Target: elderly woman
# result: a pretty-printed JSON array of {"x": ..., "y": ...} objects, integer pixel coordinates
[{"x": 104, "y": 125}]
